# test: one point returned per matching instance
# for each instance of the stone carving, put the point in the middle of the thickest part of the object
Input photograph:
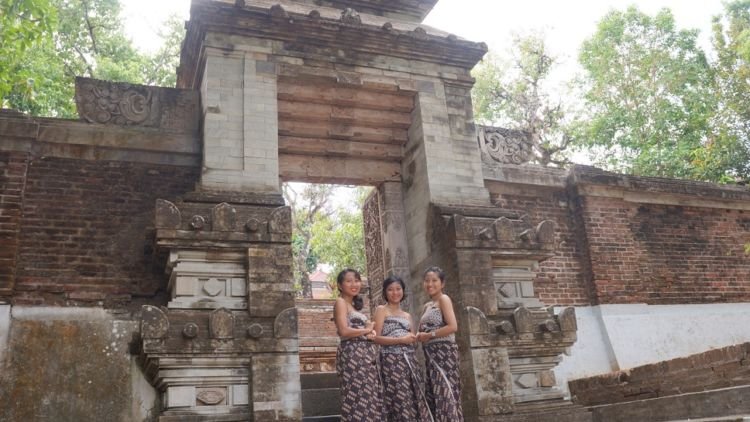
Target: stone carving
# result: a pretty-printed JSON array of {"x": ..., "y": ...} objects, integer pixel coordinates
[
  {"x": 278, "y": 11},
  {"x": 118, "y": 103},
  {"x": 198, "y": 222},
  {"x": 252, "y": 225},
  {"x": 210, "y": 397},
  {"x": 420, "y": 33},
  {"x": 374, "y": 241},
  {"x": 400, "y": 260},
  {"x": 350, "y": 16},
  {"x": 524, "y": 320},
  {"x": 504, "y": 146},
  {"x": 255, "y": 331},
  {"x": 545, "y": 232},
  {"x": 503, "y": 229},
  {"x": 168, "y": 216},
  {"x": 105, "y": 102},
  {"x": 223, "y": 217},
  {"x": 221, "y": 324},
  {"x": 526, "y": 381},
  {"x": 280, "y": 221},
  {"x": 478, "y": 323},
  {"x": 464, "y": 231},
  {"x": 190, "y": 330},
  {"x": 548, "y": 325},
  {"x": 154, "y": 323},
  {"x": 506, "y": 327},
  {"x": 567, "y": 320},
  {"x": 547, "y": 379},
  {"x": 285, "y": 324},
  {"x": 213, "y": 287}
]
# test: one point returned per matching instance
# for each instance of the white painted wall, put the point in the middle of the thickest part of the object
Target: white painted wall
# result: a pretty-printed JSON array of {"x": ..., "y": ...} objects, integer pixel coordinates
[
  {"x": 4, "y": 330},
  {"x": 615, "y": 337}
]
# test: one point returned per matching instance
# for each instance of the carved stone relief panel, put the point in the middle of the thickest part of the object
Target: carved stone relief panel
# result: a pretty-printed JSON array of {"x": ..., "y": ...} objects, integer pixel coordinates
[
  {"x": 514, "y": 286},
  {"x": 374, "y": 247},
  {"x": 197, "y": 282},
  {"x": 124, "y": 104},
  {"x": 533, "y": 378},
  {"x": 503, "y": 146}
]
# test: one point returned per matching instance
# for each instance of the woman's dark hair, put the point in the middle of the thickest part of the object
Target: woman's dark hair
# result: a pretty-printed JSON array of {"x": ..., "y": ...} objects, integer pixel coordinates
[
  {"x": 440, "y": 273},
  {"x": 357, "y": 301},
  {"x": 390, "y": 280}
]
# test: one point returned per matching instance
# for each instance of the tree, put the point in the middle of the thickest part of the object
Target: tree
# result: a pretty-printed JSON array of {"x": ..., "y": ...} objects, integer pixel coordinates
[
  {"x": 731, "y": 41},
  {"x": 23, "y": 25},
  {"x": 310, "y": 204},
  {"x": 649, "y": 92},
  {"x": 516, "y": 97},
  {"x": 87, "y": 39},
  {"x": 340, "y": 240}
]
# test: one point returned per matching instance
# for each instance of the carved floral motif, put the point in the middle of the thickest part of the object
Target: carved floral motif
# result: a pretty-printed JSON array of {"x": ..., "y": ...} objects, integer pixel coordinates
[
  {"x": 121, "y": 104},
  {"x": 504, "y": 146}
]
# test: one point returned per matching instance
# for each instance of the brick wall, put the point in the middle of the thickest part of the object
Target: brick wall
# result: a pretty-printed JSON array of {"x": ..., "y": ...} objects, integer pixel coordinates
[
  {"x": 317, "y": 335},
  {"x": 560, "y": 280},
  {"x": 84, "y": 232},
  {"x": 665, "y": 254},
  {"x": 12, "y": 180},
  {"x": 715, "y": 369}
]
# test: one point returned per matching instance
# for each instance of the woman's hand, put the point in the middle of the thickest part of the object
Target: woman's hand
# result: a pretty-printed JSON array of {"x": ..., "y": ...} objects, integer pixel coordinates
[
  {"x": 424, "y": 337},
  {"x": 370, "y": 325},
  {"x": 408, "y": 339},
  {"x": 371, "y": 335}
]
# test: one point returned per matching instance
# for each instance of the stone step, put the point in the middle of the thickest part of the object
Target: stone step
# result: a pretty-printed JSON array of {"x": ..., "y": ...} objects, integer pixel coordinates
[
  {"x": 714, "y": 405},
  {"x": 334, "y": 418},
  {"x": 733, "y": 418},
  {"x": 320, "y": 395}
]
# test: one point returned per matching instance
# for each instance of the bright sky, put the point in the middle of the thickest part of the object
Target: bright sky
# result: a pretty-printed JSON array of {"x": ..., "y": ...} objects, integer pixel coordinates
[{"x": 565, "y": 22}]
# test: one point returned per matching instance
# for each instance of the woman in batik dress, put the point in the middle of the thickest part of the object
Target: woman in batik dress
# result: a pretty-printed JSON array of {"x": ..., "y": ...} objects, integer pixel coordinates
[
  {"x": 437, "y": 329},
  {"x": 357, "y": 355},
  {"x": 403, "y": 395}
]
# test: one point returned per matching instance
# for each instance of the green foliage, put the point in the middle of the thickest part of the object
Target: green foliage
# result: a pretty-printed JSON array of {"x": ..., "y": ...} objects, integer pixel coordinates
[
  {"x": 516, "y": 96},
  {"x": 310, "y": 204},
  {"x": 339, "y": 240},
  {"x": 650, "y": 98},
  {"x": 24, "y": 24},
  {"x": 731, "y": 42},
  {"x": 85, "y": 39}
]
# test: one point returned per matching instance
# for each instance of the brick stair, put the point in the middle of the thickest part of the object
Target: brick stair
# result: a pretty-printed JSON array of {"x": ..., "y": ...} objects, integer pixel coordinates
[
  {"x": 320, "y": 397},
  {"x": 714, "y": 405}
]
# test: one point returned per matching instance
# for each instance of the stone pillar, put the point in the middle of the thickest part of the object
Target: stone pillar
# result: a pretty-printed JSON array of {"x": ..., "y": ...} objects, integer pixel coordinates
[
  {"x": 385, "y": 240},
  {"x": 226, "y": 346},
  {"x": 509, "y": 342},
  {"x": 240, "y": 130}
]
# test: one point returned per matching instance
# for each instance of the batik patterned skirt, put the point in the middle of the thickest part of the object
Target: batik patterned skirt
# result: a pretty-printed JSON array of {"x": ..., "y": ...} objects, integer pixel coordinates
[
  {"x": 359, "y": 380},
  {"x": 404, "y": 397},
  {"x": 443, "y": 384}
]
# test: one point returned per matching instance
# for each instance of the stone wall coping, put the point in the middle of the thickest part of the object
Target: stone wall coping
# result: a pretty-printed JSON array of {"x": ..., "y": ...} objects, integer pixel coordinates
[
  {"x": 65, "y": 138},
  {"x": 592, "y": 181},
  {"x": 365, "y": 35}
]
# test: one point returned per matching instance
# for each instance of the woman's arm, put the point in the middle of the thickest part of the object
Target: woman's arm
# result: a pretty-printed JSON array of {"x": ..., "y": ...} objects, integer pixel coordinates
[
  {"x": 451, "y": 325},
  {"x": 380, "y": 315},
  {"x": 342, "y": 324}
]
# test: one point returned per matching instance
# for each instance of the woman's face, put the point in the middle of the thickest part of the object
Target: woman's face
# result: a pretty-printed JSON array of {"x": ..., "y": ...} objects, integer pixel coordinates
[
  {"x": 394, "y": 293},
  {"x": 432, "y": 284},
  {"x": 351, "y": 285}
]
